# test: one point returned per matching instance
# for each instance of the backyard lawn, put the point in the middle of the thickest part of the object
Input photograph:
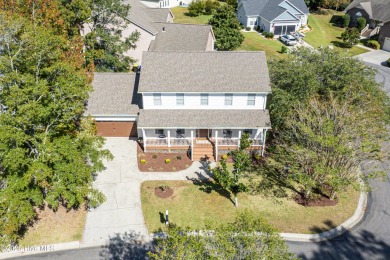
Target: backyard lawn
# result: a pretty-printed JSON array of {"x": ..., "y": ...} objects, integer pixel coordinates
[
  {"x": 55, "y": 227},
  {"x": 181, "y": 17},
  {"x": 325, "y": 33},
  {"x": 191, "y": 205},
  {"x": 254, "y": 42}
]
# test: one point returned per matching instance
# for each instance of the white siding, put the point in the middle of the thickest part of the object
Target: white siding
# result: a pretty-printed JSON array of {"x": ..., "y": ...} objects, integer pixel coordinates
[
  {"x": 192, "y": 101},
  {"x": 242, "y": 16}
]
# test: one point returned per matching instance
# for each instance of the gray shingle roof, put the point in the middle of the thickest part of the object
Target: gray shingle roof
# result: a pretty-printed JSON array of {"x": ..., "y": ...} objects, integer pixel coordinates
[
  {"x": 181, "y": 37},
  {"x": 145, "y": 17},
  {"x": 270, "y": 9},
  {"x": 113, "y": 94},
  {"x": 185, "y": 118},
  {"x": 378, "y": 9},
  {"x": 218, "y": 72}
]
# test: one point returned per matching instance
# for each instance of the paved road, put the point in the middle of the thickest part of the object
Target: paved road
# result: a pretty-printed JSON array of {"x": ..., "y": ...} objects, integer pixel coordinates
[{"x": 369, "y": 240}]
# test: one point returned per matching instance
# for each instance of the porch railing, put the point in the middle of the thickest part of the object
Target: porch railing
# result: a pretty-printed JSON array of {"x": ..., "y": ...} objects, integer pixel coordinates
[
  {"x": 234, "y": 141},
  {"x": 364, "y": 29},
  {"x": 155, "y": 141}
]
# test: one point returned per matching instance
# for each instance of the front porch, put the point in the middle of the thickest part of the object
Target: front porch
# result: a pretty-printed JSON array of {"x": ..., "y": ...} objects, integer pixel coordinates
[{"x": 200, "y": 142}]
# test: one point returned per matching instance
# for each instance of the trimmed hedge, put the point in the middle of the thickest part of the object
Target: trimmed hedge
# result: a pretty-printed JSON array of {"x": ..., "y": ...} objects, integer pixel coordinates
[{"x": 373, "y": 44}]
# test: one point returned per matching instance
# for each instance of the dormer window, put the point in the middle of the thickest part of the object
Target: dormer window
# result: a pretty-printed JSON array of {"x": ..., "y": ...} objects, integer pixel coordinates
[
  {"x": 180, "y": 99},
  {"x": 251, "y": 99},
  {"x": 157, "y": 99},
  {"x": 228, "y": 99}
]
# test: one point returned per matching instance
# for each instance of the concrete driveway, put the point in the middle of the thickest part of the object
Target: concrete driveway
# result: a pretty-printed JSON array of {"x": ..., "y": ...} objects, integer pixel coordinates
[
  {"x": 120, "y": 182},
  {"x": 377, "y": 57}
]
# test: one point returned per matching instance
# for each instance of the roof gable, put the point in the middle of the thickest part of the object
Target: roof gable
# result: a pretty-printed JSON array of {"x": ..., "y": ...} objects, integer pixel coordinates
[
  {"x": 291, "y": 8},
  {"x": 377, "y": 9},
  {"x": 286, "y": 16}
]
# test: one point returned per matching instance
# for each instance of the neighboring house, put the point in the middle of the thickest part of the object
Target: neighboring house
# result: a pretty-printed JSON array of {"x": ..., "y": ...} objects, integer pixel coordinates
[
  {"x": 183, "y": 37},
  {"x": 165, "y": 3},
  {"x": 276, "y": 16},
  {"x": 197, "y": 102},
  {"x": 377, "y": 15}
]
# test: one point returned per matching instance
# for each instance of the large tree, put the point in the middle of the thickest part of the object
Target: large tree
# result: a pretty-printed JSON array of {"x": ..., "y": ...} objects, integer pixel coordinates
[
  {"x": 49, "y": 153},
  {"x": 105, "y": 44},
  {"x": 248, "y": 237},
  {"x": 226, "y": 28},
  {"x": 329, "y": 116}
]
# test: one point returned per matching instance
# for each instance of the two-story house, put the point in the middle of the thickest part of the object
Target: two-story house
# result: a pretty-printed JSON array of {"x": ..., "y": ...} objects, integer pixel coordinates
[{"x": 200, "y": 102}]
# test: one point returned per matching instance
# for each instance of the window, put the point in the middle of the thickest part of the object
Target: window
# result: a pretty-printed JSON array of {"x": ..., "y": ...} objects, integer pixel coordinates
[
  {"x": 251, "y": 99},
  {"x": 228, "y": 99},
  {"x": 157, "y": 99},
  {"x": 180, "y": 99},
  {"x": 204, "y": 99},
  {"x": 248, "y": 131},
  {"x": 251, "y": 22},
  {"x": 159, "y": 131},
  {"x": 180, "y": 131},
  {"x": 227, "y": 133}
]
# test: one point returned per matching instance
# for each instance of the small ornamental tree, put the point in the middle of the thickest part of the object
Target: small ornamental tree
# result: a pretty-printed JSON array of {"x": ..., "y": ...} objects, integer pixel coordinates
[
  {"x": 351, "y": 37},
  {"x": 345, "y": 20},
  {"x": 361, "y": 23}
]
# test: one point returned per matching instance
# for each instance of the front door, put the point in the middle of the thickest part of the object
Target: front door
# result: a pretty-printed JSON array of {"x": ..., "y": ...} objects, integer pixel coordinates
[{"x": 203, "y": 133}]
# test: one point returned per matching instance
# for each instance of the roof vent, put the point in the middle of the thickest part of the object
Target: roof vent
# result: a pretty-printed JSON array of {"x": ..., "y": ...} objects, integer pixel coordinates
[{"x": 163, "y": 29}]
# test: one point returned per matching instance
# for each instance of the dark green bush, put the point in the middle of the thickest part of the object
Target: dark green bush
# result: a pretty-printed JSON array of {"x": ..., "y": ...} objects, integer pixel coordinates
[
  {"x": 345, "y": 20},
  {"x": 179, "y": 157},
  {"x": 197, "y": 8},
  {"x": 248, "y": 28},
  {"x": 284, "y": 49},
  {"x": 154, "y": 156},
  {"x": 256, "y": 28},
  {"x": 210, "y": 6},
  {"x": 388, "y": 62},
  {"x": 361, "y": 23},
  {"x": 373, "y": 44}
]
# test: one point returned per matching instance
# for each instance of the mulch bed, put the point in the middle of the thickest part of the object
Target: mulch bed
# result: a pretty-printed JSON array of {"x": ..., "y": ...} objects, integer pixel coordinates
[
  {"x": 322, "y": 201},
  {"x": 159, "y": 192},
  {"x": 155, "y": 161}
]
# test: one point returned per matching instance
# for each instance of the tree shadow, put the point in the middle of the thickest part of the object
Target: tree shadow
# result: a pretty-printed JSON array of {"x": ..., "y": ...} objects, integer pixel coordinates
[
  {"x": 357, "y": 245},
  {"x": 125, "y": 246},
  {"x": 336, "y": 20},
  {"x": 162, "y": 217},
  {"x": 329, "y": 224},
  {"x": 208, "y": 185}
]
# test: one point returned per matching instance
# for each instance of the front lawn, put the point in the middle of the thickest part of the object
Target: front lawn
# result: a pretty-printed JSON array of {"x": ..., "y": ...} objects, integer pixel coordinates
[
  {"x": 181, "y": 17},
  {"x": 55, "y": 227},
  {"x": 255, "y": 42},
  {"x": 325, "y": 33},
  {"x": 191, "y": 205}
]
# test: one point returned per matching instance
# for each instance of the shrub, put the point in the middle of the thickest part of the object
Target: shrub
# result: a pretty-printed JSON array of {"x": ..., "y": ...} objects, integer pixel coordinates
[
  {"x": 248, "y": 28},
  {"x": 257, "y": 156},
  {"x": 284, "y": 49},
  {"x": 345, "y": 20},
  {"x": 242, "y": 26},
  {"x": 164, "y": 187},
  {"x": 268, "y": 35},
  {"x": 143, "y": 161},
  {"x": 373, "y": 44},
  {"x": 167, "y": 161},
  {"x": 350, "y": 37},
  {"x": 388, "y": 62},
  {"x": 224, "y": 156},
  {"x": 256, "y": 28},
  {"x": 178, "y": 157},
  {"x": 361, "y": 23},
  {"x": 210, "y": 6},
  {"x": 196, "y": 8},
  {"x": 154, "y": 156}
]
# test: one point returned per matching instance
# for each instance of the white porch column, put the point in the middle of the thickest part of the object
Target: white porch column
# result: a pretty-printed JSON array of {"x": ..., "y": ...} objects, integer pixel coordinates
[
  {"x": 169, "y": 137},
  {"x": 265, "y": 102},
  {"x": 144, "y": 138},
  {"x": 216, "y": 145},
  {"x": 192, "y": 145},
  {"x": 239, "y": 138},
  {"x": 262, "y": 147}
]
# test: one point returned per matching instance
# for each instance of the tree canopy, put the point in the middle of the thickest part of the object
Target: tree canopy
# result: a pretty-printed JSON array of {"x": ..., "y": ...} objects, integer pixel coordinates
[
  {"x": 49, "y": 153},
  {"x": 226, "y": 28},
  {"x": 248, "y": 237},
  {"x": 329, "y": 116}
]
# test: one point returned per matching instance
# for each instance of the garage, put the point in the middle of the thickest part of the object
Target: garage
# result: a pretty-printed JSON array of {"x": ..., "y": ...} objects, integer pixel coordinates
[
  {"x": 386, "y": 44},
  {"x": 116, "y": 129}
]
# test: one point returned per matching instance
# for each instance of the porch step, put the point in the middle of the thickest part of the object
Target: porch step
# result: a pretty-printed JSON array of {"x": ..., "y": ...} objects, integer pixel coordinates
[
  {"x": 202, "y": 152},
  {"x": 366, "y": 34}
]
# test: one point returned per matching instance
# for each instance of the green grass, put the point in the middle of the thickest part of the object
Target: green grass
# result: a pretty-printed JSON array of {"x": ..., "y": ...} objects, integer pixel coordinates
[
  {"x": 254, "y": 42},
  {"x": 181, "y": 17},
  {"x": 192, "y": 205},
  {"x": 325, "y": 33}
]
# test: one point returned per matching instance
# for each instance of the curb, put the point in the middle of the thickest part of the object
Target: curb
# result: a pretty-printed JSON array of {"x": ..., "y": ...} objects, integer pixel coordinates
[
  {"x": 335, "y": 232},
  {"x": 33, "y": 250}
]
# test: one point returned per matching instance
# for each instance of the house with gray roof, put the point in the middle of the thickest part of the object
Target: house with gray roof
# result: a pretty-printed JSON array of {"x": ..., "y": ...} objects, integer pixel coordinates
[
  {"x": 276, "y": 16},
  {"x": 197, "y": 102},
  {"x": 377, "y": 15}
]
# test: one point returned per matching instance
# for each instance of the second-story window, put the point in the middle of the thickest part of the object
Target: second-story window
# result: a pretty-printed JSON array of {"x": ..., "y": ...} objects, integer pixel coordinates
[
  {"x": 228, "y": 99},
  {"x": 180, "y": 99},
  {"x": 251, "y": 99},
  {"x": 157, "y": 99},
  {"x": 204, "y": 99}
]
